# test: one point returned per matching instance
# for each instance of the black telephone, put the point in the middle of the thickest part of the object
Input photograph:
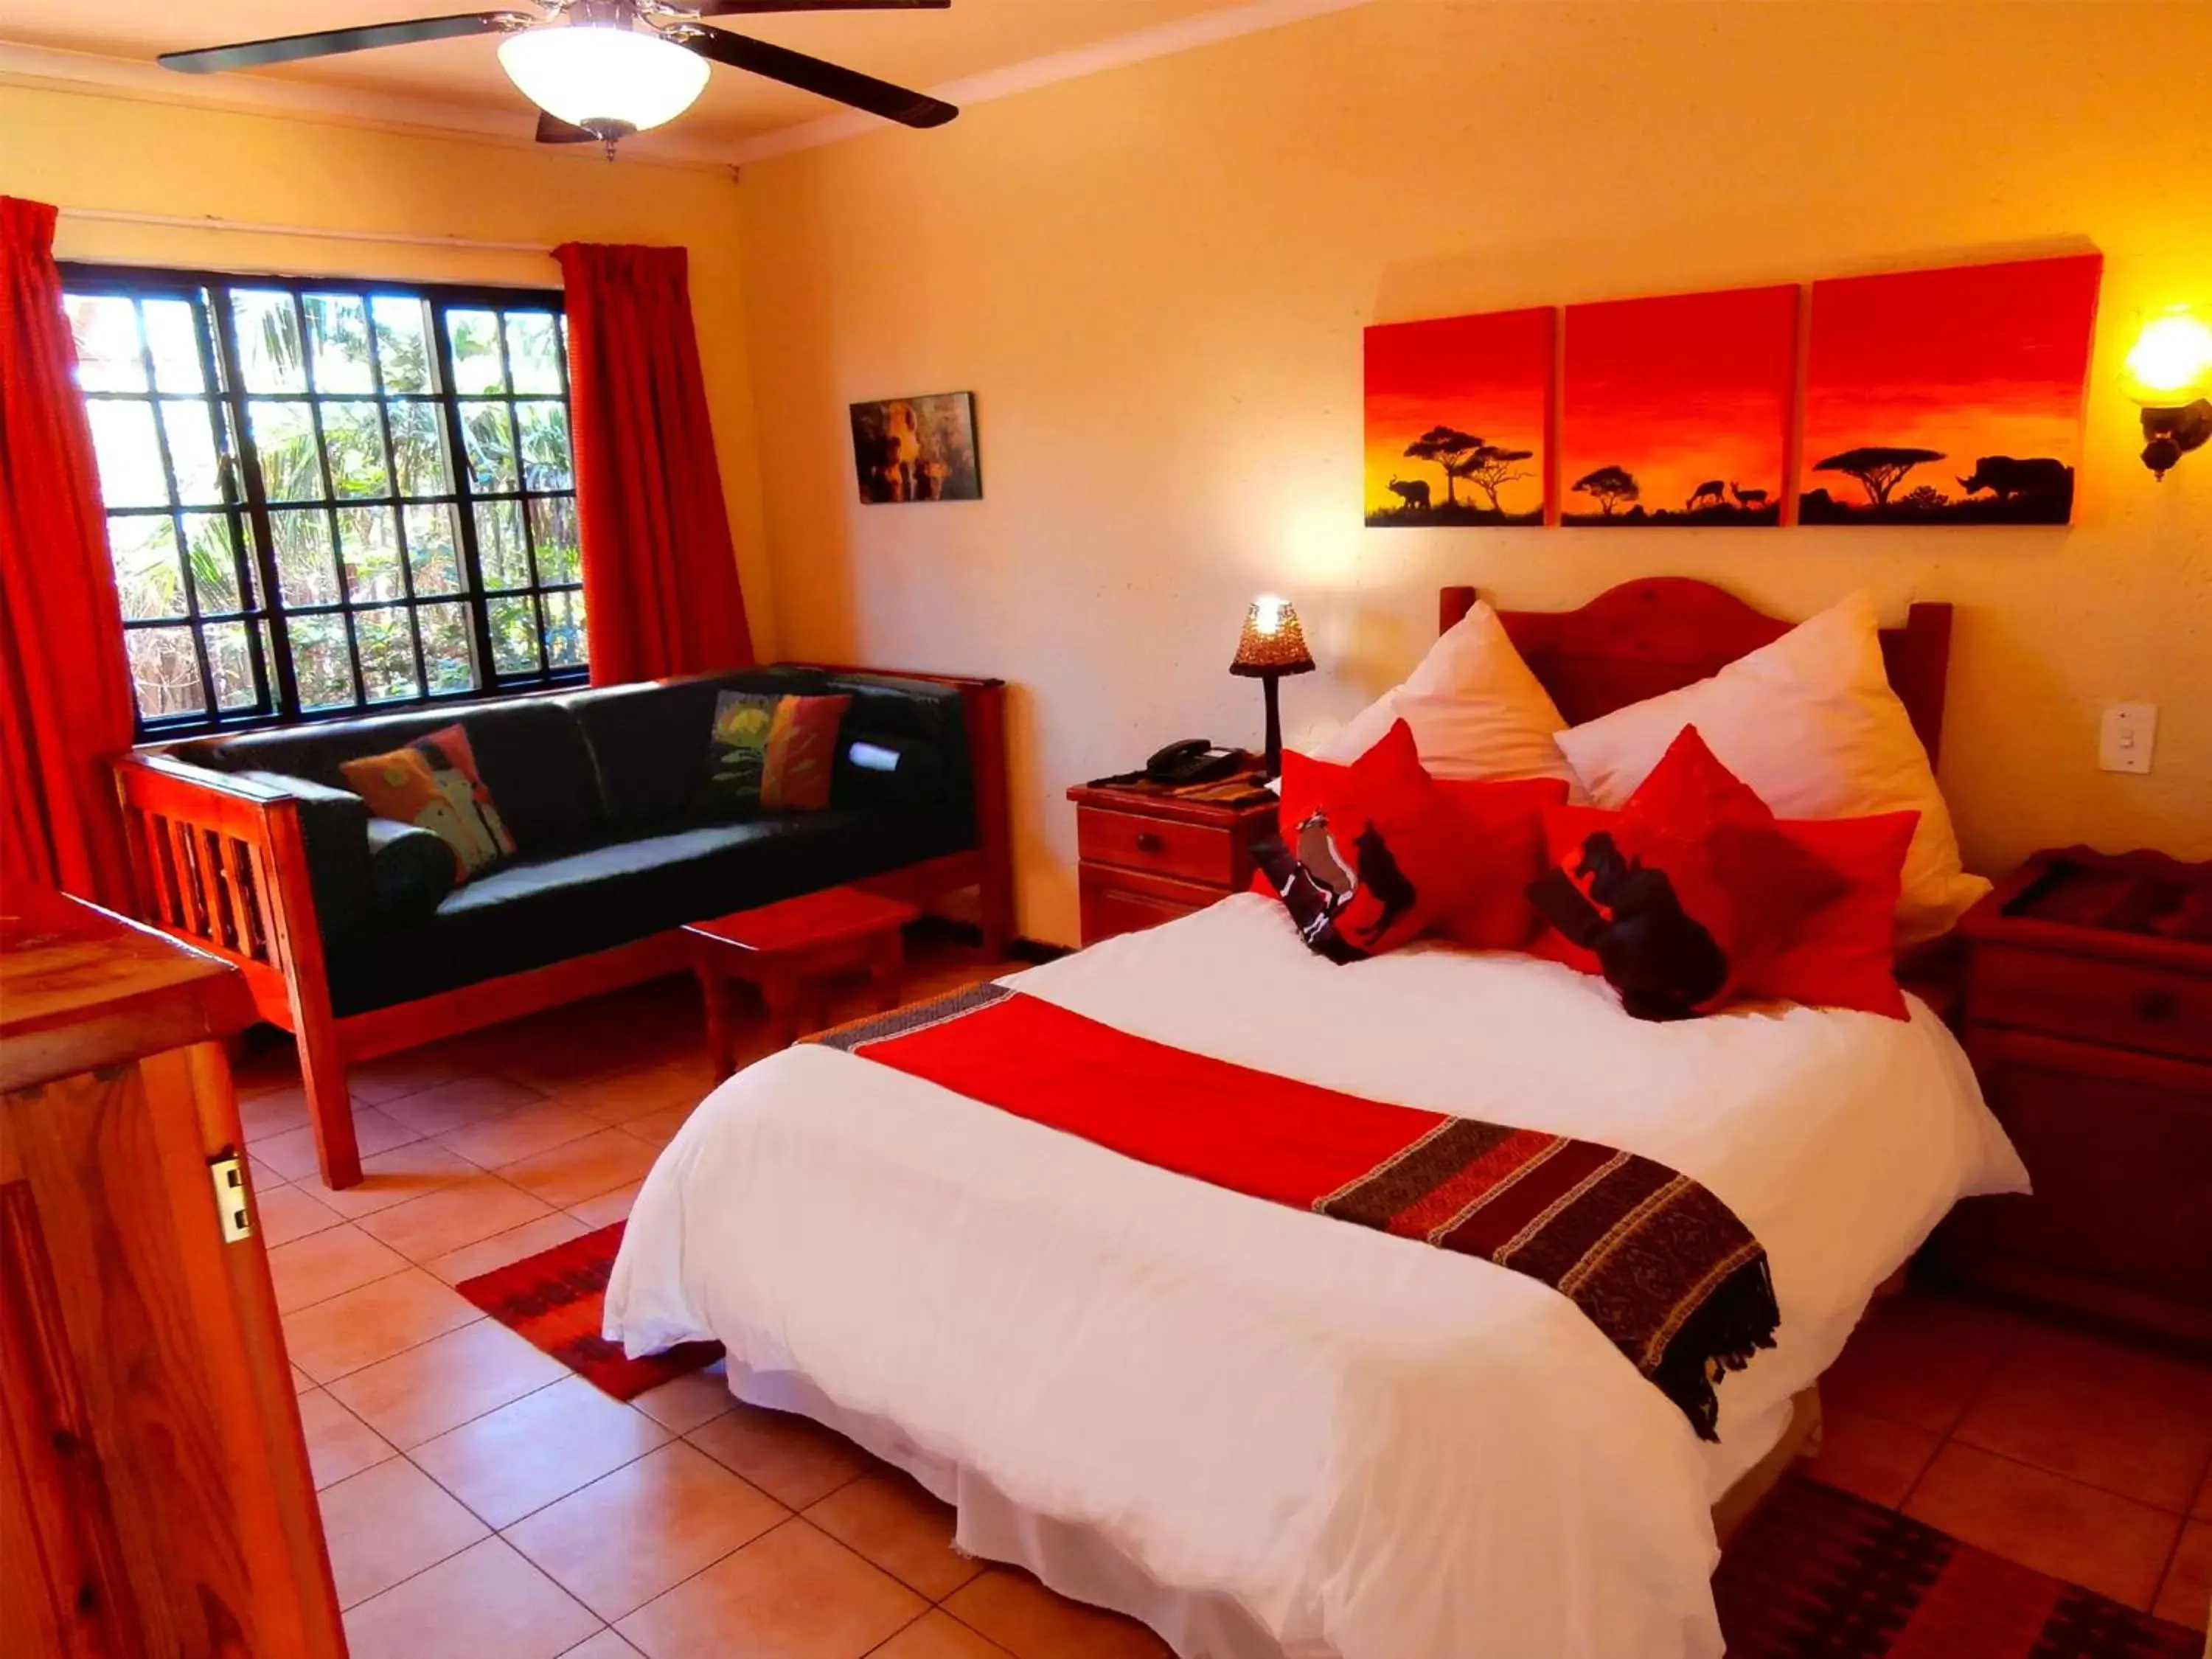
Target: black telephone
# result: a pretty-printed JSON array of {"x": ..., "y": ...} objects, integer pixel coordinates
[{"x": 1194, "y": 760}]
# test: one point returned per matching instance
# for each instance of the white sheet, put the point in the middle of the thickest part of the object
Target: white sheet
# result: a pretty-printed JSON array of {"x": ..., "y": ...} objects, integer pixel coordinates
[{"x": 1377, "y": 1450}]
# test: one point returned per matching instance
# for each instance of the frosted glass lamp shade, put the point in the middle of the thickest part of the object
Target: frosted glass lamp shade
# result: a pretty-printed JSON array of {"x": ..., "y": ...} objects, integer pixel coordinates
[{"x": 607, "y": 79}]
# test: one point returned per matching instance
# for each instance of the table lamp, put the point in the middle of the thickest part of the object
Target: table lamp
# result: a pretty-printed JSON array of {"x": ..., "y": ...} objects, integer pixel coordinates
[{"x": 1271, "y": 646}]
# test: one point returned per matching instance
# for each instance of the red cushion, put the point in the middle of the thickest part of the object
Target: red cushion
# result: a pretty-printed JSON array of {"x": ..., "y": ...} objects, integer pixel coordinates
[
  {"x": 1801, "y": 909},
  {"x": 1496, "y": 830}
]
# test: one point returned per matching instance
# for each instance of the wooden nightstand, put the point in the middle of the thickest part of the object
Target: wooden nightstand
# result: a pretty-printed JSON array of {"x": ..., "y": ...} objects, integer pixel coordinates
[
  {"x": 1150, "y": 856},
  {"x": 2088, "y": 1016}
]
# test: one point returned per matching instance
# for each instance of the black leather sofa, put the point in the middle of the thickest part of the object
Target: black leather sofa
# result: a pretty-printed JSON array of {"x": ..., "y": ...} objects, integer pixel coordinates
[{"x": 381, "y": 950}]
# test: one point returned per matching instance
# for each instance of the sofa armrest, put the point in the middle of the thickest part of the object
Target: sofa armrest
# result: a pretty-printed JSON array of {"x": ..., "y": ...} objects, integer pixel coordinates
[{"x": 334, "y": 827}]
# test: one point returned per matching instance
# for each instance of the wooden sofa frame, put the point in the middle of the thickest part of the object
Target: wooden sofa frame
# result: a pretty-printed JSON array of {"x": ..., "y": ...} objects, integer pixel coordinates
[{"x": 221, "y": 863}]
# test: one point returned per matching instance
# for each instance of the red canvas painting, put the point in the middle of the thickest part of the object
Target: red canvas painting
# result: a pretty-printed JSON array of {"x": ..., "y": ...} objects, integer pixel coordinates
[
  {"x": 1677, "y": 409},
  {"x": 1459, "y": 413},
  {"x": 1948, "y": 396}
]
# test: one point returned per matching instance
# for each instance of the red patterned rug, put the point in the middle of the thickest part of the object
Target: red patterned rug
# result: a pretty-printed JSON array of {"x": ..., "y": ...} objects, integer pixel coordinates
[
  {"x": 1818, "y": 1574},
  {"x": 554, "y": 1300}
]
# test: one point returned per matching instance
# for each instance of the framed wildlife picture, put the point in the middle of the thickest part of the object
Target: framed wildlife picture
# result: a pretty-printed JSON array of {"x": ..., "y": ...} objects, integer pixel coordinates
[
  {"x": 1676, "y": 410},
  {"x": 1459, "y": 416},
  {"x": 917, "y": 449},
  {"x": 1948, "y": 396}
]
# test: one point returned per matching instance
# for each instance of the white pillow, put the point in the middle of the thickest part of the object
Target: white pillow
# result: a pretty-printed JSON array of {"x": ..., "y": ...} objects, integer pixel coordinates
[
  {"x": 1810, "y": 723},
  {"x": 1475, "y": 708}
]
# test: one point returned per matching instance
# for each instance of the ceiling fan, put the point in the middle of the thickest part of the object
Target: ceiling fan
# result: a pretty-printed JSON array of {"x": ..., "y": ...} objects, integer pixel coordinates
[{"x": 599, "y": 70}]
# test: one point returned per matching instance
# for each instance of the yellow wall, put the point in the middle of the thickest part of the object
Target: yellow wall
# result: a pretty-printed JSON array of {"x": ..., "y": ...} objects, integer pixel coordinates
[
  {"x": 1155, "y": 280},
  {"x": 90, "y": 151}
]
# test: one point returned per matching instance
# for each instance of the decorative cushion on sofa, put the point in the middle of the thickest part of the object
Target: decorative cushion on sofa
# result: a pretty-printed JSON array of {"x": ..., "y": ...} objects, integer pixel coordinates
[
  {"x": 433, "y": 783},
  {"x": 770, "y": 753}
]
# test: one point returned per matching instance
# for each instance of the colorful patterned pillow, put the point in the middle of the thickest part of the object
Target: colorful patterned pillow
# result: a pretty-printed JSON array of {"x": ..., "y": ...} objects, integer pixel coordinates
[
  {"x": 433, "y": 783},
  {"x": 770, "y": 753}
]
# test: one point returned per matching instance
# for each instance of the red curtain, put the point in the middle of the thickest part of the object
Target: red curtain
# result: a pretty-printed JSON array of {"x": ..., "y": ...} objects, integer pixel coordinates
[
  {"x": 65, "y": 698},
  {"x": 660, "y": 575}
]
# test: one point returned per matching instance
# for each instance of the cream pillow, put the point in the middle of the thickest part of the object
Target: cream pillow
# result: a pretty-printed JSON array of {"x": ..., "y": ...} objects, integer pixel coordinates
[
  {"x": 1810, "y": 723},
  {"x": 1475, "y": 708}
]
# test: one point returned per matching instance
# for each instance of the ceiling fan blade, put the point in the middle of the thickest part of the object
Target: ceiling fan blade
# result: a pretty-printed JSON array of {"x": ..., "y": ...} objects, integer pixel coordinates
[
  {"x": 289, "y": 48},
  {"x": 762, "y": 8},
  {"x": 796, "y": 69},
  {"x": 552, "y": 130}
]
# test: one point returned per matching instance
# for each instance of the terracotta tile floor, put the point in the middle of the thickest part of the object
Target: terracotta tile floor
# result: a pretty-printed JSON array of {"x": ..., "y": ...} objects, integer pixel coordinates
[{"x": 479, "y": 1498}]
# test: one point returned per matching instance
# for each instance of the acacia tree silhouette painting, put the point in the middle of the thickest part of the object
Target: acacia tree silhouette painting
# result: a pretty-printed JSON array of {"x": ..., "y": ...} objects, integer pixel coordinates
[
  {"x": 1948, "y": 396},
  {"x": 1457, "y": 413},
  {"x": 1684, "y": 400},
  {"x": 1878, "y": 470},
  {"x": 1611, "y": 487}
]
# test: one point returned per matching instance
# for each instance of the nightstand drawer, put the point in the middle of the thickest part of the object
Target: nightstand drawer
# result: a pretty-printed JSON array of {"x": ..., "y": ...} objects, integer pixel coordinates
[
  {"x": 2129, "y": 1005},
  {"x": 1189, "y": 851},
  {"x": 1115, "y": 902}
]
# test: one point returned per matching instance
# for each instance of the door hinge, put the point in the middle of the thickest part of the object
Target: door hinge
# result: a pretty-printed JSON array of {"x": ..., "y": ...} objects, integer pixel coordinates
[{"x": 230, "y": 1200}]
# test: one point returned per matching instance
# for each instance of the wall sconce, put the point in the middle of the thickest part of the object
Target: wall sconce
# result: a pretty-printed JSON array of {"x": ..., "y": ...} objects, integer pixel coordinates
[{"x": 2168, "y": 371}]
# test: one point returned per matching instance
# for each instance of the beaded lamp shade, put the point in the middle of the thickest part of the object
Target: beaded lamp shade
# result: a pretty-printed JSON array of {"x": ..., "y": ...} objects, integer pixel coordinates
[{"x": 1272, "y": 643}]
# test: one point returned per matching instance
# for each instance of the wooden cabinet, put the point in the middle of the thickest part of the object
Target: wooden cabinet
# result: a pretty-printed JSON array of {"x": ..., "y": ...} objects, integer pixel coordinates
[
  {"x": 1149, "y": 857},
  {"x": 2088, "y": 1016},
  {"x": 156, "y": 1503}
]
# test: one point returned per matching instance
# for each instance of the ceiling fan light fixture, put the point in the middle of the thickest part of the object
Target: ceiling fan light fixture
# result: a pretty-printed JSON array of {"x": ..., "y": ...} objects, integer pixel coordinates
[{"x": 606, "y": 78}]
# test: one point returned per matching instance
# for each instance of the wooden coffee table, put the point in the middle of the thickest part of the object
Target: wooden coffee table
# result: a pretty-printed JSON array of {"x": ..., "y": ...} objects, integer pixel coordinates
[{"x": 789, "y": 951}]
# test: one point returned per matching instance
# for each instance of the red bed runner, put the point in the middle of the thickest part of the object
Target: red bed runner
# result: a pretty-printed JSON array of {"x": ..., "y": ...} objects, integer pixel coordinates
[{"x": 1655, "y": 1262}]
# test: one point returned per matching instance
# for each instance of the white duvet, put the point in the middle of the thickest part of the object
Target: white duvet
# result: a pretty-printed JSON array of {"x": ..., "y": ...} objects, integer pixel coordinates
[{"x": 1375, "y": 1449}]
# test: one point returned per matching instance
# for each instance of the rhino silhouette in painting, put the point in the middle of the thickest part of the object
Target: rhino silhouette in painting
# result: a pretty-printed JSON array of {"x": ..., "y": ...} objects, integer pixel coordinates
[{"x": 2007, "y": 478}]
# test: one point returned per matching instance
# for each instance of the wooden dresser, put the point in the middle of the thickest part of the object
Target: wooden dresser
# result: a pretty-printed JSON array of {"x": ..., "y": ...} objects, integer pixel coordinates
[
  {"x": 2088, "y": 1016},
  {"x": 157, "y": 1503},
  {"x": 1148, "y": 857}
]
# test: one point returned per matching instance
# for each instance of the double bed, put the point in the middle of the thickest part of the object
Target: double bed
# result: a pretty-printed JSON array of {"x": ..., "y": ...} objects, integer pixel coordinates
[{"x": 1260, "y": 1430}]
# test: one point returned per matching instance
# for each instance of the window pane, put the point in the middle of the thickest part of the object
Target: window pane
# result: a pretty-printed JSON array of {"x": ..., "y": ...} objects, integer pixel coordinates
[
  {"x": 543, "y": 430},
  {"x": 533, "y": 351},
  {"x": 189, "y": 425},
  {"x": 352, "y": 438},
  {"x": 490, "y": 445},
  {"x": 387, "y": 654},
  {"x": 553, "y": 532},
  {"x": 448, "y": 650},
  {"x": 402, "y": 349},
  {"x": 432, "y": 552},
  {"x": 165, "y": 671},
  {"x": 306, "y": 574},
  {"x": 337, "y": 332},
  {"x": 172, "y": 329},
  {"x": 129, "y": 455},
  {"x": 476, "y": 352},
  {"x": 213, "y": 555},
  {"x": 369, "y": 544},
  {"x": 105, "y": 329},
  {"x": 269, "y": 340},
  {"x": 148, "y": 578},
  {"x": 284, "y": 443},
  {"x": 418, "y": 449},
  {"x": 229, "y": 661},
  {"x": 564, "y": 627},
  {"x": 513, "y": 635},
  {"x": 501, "y": 553},
  {"x": 319, "y": 663}
]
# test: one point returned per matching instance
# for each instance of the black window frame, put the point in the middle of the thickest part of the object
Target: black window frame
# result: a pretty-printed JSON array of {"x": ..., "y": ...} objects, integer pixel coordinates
[{"x": 266, "y": 615}]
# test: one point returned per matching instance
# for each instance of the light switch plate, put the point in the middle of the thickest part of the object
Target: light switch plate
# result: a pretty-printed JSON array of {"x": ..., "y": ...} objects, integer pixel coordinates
[{"x": 2129, "y": 732}]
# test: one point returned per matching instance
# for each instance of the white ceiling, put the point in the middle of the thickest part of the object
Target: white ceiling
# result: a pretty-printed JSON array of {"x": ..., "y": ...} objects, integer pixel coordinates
[{"x": 459, "y": 83}]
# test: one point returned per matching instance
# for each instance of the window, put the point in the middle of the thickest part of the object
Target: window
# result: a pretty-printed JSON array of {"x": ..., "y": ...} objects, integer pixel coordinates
[{"x": 328, "y": 496}]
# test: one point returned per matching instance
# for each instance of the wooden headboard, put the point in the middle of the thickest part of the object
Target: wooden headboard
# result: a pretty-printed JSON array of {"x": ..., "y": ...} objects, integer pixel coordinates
[{"x": 1645, "y": 637}]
